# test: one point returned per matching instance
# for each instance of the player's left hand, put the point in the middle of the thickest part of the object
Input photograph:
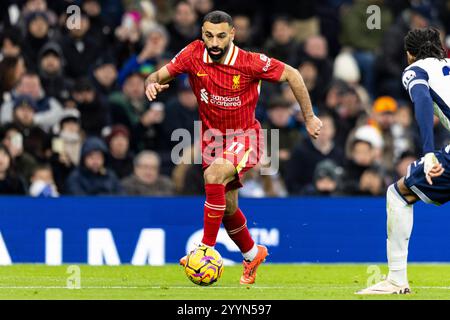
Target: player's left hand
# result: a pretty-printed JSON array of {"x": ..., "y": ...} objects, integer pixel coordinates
[{"x": 313, "y": 126}]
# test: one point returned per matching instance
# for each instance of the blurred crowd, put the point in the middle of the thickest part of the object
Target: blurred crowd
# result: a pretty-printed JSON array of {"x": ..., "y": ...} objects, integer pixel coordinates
[{"x": 74, "y": 118}]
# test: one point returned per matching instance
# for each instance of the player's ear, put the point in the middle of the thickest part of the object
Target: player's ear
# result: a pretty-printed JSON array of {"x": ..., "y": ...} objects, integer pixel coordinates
[{"x": 232, "y": 33}]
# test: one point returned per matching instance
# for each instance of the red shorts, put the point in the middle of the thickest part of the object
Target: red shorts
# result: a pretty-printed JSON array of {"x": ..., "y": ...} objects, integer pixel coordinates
[{"x": 243, "y": 148}]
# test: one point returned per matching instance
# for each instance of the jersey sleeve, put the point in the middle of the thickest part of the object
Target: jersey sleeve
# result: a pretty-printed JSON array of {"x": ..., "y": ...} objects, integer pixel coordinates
[
  {"x": 414, "y": 76},
  {"x": 415, "y": 81},
  {"x": 266, "y": 68},
  {"x": 182, "y": 61}
]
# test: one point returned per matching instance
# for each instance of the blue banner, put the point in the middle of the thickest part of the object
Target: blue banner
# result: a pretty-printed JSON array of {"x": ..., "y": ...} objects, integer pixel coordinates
[{"x": 156, "y": 231}]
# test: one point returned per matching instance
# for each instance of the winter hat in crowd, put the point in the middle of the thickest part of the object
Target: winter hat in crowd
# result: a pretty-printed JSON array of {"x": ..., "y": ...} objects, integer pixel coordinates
[
  {"x": 24, "y": 101},
  {"x": 346, "y": 68},
  {"x": 326, "y": 168},
  {"x": 51, "y": 47},
  {"x": 384, "y": 104},
  {"x": 116, "y": 130},
  {"x": 34, "y": 15}
]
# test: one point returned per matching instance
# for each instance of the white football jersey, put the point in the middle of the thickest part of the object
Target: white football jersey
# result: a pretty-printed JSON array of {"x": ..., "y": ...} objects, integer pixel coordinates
[{"x": 435, "y": 74}]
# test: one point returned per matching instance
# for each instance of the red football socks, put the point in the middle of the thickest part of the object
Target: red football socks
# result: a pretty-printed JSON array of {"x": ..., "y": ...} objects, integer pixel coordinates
[
  {"x": 236, "y": 226},
  {"x": 214, "y": 210}
]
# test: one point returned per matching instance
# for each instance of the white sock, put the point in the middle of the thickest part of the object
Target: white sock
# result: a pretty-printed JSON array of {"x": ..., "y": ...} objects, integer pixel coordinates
[
  {"x": 399, "y": 227},
  {"x": 251, "y": 254}
]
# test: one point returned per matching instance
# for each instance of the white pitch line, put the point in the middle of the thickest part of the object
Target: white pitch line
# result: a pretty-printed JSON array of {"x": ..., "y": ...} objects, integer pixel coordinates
[{"x": 203, "y": 288}]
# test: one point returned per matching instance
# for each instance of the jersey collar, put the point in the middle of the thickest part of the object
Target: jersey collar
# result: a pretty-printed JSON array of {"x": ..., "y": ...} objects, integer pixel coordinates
[{"x": 230, "y": 59}]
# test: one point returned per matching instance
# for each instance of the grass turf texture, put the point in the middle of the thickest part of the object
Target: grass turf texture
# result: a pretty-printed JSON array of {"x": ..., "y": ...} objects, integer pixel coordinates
[{"x": 275, "y": 281}]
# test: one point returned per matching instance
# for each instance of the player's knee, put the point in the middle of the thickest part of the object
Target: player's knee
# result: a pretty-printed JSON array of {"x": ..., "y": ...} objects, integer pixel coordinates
[{"x": 214, "y": 177}]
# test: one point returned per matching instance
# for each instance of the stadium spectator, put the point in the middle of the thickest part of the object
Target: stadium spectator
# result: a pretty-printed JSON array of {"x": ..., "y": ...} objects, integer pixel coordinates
[
  {"x": 51, "y": 72},
  {"x": 120, "y": 158},
  {"x": 104, "y": 76},
  {"x": 99, "y": 29},
  {"x": 130, "y": 104},
  {"x": 390, "y": 63},
  {"x": 307, "y": 154},
  {"x": 80, "y": 49},
  {"x": 363, "y": 45},
  {"x": 47, "y": 109},
  {"x": 315, "y": 51},
  {"x": 128, "y": 36},
  {"x": 326, "y": 181},
  {"x": 10, "y": 182},
  {"x": 35, "y": 140},
  {"x": 282, "y": 45},
  {"x": 180, "y": 113},
  {"x": 95, "y": 113},
  {"x": 395, "y": 141},
  {"x": 362, "y": 157},
  {"x": 92, "y": 177},
  {"x": 10, "y": 43},
  {"x": 347, "y": 113},
  {"x": 187, "y": 175},
  {"x": 243, "y": 34},
  {"x": 146, "y": 179},
  {"x": 280, "y": 118},
  {"x": 147, "y": 60},
  {"x": 184, "y": 27},
  {"x": 12, "y": 139},
  {"x": 310, "y": 75},
  {"x": 372, "y": 183},
  {"x": 11, "y": 71},
  {"x": 37, "y": 35},
  {"x": 66, "y": 147},
  {"x": 42, "y": 183}
]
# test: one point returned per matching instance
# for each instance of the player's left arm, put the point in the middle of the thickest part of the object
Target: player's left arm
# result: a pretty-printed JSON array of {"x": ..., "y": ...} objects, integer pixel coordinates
[
  {"x": 295, "y": 81},
  {"x": 423, "y": 107}
]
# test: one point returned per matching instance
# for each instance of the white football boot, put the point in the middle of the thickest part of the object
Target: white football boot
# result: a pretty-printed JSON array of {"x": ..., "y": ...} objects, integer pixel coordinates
[{"x": 385, "y": 287}]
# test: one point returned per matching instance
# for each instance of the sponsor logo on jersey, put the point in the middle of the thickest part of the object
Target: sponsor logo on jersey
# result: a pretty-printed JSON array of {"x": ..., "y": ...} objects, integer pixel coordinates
[
  {"x": 267, "y": 66},
  {"x": 219, "y": 100},
  {"x": 236, "y": 82},
  {"x": 204, "y": 96}
]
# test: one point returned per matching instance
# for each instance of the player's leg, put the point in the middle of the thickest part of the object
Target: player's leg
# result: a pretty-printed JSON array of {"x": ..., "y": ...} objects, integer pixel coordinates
[
  {"x": 235, "y": 223},
  {"x": 399, "y": 207},
  {"x": 216, "y": 176}
]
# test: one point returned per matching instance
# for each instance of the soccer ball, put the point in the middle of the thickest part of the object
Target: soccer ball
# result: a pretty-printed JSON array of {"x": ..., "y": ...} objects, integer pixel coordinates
[{"x": 204, "y": 266}]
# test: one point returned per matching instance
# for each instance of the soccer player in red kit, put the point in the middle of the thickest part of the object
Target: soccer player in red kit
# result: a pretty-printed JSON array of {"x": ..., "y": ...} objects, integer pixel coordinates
[{"x": 226, "y": 81}]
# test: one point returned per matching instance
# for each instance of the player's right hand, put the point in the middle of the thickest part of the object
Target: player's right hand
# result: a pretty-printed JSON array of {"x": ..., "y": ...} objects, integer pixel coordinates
[
  {"x": 153, "y": 89},
  {"x": 313, "y": 126},
  {"x": 432, "y": 167}
]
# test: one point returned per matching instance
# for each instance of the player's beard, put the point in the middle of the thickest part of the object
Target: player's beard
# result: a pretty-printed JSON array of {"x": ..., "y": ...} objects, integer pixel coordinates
[{"x": 217, "y": 56}]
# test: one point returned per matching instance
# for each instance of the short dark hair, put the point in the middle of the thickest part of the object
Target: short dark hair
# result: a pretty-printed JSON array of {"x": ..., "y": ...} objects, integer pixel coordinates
[
  {"x": 424, "y": 43},
  {"x": 218, "y": 16}
]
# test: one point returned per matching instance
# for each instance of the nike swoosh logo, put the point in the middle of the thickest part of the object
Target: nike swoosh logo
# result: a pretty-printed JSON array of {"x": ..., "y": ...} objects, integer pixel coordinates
[
  {"x": 201, "y": 74},
  {"x": 210, "y": 216}
]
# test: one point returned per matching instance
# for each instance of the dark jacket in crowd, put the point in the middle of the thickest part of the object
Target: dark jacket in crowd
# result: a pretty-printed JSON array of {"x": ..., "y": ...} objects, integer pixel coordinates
[
  {"x": 121, "y": 167},
  {"x": 80, "y": 54},
  {"x": 303, "y": 162},
  {"x": 82, "y": 181}
]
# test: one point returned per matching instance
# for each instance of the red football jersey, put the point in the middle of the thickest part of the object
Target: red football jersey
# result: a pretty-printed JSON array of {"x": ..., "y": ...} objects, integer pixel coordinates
[{"x": 227, "y": 93}]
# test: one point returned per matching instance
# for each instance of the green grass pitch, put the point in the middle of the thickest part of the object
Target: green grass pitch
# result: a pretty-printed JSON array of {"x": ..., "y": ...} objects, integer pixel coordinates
[{"x": 275, "y": 281}]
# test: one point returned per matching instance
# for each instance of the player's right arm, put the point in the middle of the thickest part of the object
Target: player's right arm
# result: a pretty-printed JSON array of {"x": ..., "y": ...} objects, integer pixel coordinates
[
  {"x": 415, "y": 80},
  {"x": 181, "y": 63}
]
